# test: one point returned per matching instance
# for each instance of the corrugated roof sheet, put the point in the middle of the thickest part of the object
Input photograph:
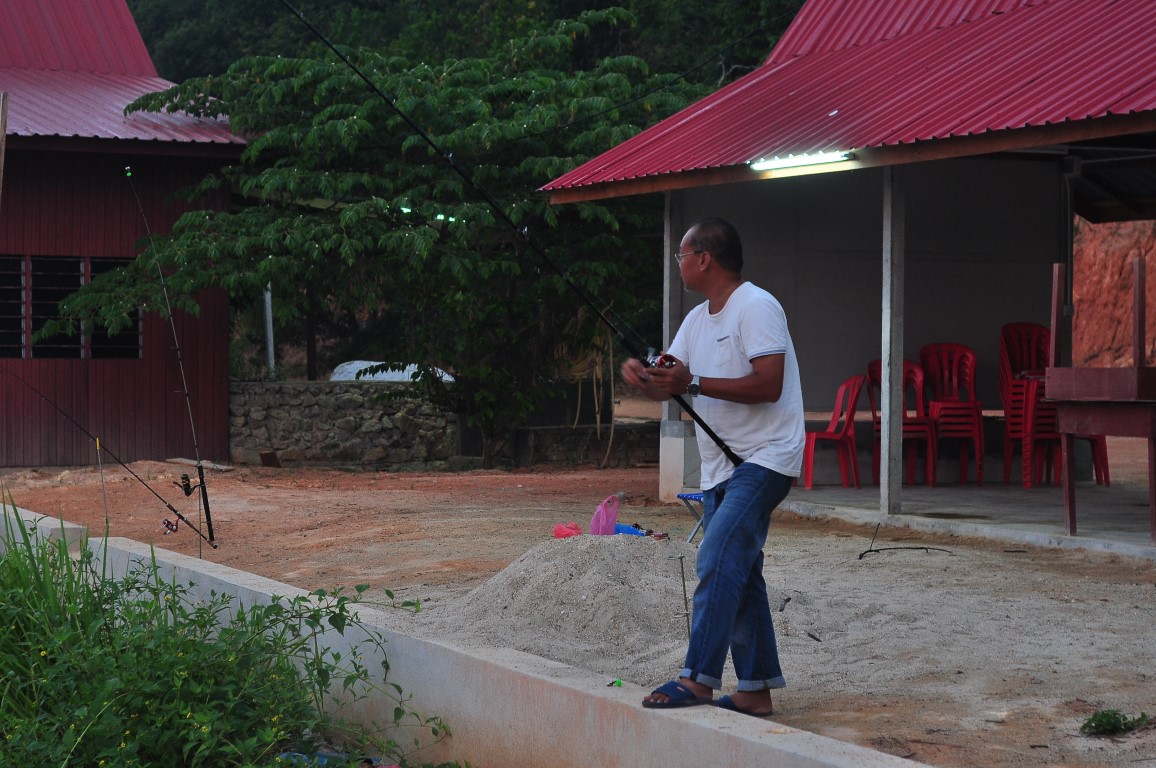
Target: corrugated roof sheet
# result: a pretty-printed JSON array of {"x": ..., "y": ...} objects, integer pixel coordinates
[
  {"x": 70, "y": 67},
  {"x": 83, "y": 105},
  {"x": 833, "y": 26},
  {"x": 856, "y": 74},
  {"x": 97, "y": 36}
]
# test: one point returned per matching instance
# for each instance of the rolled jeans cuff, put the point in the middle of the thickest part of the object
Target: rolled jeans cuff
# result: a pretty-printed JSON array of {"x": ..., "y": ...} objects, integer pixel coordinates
[{"x": 762, "y": 685}]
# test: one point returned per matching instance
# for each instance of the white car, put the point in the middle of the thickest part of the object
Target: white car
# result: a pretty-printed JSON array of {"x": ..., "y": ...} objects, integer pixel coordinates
[{"x": 348, "y": 372}]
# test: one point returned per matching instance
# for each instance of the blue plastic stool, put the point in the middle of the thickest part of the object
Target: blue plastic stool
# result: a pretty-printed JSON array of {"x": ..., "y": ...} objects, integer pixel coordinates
[{"x": 689, "y": 499}]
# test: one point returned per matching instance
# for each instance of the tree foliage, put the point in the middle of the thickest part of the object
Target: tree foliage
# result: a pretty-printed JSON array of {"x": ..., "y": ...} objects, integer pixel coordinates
[
  {"x": 196, "y": 39},
  {"x": 713, "y": 41},
  {"x": 353, "y": 213}
]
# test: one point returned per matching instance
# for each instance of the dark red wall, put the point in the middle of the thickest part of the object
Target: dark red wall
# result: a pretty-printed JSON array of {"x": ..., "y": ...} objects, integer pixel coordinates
[{"x": 78, "y": 204}]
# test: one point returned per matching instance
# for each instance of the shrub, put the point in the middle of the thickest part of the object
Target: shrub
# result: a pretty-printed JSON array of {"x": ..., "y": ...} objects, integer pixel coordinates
[
  {"x": 1110, "y": 722},
  {"x": 134, "y": 672}
]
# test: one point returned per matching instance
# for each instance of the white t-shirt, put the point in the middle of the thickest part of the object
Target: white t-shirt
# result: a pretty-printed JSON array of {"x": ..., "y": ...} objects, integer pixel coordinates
[{"x": 751, "y": 325}]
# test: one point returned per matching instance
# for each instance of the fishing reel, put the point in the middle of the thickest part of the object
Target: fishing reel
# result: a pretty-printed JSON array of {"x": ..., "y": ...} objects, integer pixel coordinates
[
  {"x": 658, "y": 360},
  {"x": 187, "y": 488},
  {"x": 186, "y": 485}
]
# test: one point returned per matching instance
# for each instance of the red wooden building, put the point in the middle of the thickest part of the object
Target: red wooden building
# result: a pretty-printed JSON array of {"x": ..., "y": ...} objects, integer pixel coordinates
[{"x": 68, "y": 211}]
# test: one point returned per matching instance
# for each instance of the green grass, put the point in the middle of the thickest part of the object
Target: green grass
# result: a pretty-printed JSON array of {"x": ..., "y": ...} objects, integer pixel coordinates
[{"x": 104, "y": 673}]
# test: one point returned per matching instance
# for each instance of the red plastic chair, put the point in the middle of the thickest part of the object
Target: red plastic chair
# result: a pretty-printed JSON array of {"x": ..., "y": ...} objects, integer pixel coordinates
[
  {"x": 917, "y": 425},
  {"x": 841, "y": 431},
  {"x": 949, "y": 370},
  {"x": 1040, "y": 438},
  {"x": 1023, "y": 356},
  {"x": 1028, "y": 417}
]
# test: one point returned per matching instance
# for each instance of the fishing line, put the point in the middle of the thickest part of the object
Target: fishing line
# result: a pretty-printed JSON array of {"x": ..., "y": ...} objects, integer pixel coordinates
[
  {"x": 111, "y": 455},
  {"x": 186, "y": 486},
  {"x": 521, "y": 231}
]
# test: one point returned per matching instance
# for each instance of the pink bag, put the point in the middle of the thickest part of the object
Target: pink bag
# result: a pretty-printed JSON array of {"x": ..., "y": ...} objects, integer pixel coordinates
[{"x": 605, "y": 517}]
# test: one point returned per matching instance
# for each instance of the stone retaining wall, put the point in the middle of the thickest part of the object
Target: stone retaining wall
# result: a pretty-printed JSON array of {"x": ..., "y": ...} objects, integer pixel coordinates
[
  {"x": 337, "y": 423},
  {"x": 359, "y": 424}
]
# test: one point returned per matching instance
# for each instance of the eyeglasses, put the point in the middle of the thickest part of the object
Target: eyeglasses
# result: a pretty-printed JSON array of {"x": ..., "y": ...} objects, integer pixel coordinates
[{"x": 679, "y": 255}]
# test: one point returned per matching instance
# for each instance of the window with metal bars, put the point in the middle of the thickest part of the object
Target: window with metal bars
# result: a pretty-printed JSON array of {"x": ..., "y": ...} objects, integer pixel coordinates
[
  {"x": 31, "y": 289},
  {"x": 50, "y": 281},
  {"x": 11, "y": 306},
  {"x": 126, "y": 344}
]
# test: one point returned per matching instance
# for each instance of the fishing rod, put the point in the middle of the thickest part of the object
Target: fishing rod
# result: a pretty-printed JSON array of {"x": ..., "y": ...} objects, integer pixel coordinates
[
  {"x": 103, "y": 446},
  {"x": 647, "y": 360},
  {"x": 186, "y": 484}
]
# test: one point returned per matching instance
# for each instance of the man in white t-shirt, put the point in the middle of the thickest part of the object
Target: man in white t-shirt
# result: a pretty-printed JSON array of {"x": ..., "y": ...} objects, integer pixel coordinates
[{"x": 734, "y": 357}]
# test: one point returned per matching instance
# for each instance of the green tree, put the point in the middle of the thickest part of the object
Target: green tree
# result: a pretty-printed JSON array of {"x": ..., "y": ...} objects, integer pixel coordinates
[
  {"x": 352, "y": 211},
  {"x": 714, "y": 41},
  {"x": 195, "y": 39}
]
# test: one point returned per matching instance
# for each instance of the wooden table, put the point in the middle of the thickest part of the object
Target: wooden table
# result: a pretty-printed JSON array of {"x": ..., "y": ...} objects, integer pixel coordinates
[{"x": 1103, "y": 401}]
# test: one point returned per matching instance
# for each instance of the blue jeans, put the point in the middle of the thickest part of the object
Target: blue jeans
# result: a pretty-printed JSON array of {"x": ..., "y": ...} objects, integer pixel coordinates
[{"x": 731, "y": 607}]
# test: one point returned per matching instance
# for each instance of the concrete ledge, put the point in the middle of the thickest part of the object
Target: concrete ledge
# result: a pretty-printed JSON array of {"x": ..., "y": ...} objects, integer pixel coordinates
[
  {"x": 509, "y": 709},
  {"x": 41, "y": 528},
  {"x": 961, "y": 528}
]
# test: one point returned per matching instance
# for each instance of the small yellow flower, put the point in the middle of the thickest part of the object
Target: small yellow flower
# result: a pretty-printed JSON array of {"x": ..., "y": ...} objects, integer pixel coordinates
[{"x": 43, "y": 654}]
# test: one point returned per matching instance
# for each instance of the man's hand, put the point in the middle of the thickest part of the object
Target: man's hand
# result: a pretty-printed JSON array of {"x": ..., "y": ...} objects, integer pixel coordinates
[
  {"x": 657, "y": 383},
  {"x": 764, "y": 384}
]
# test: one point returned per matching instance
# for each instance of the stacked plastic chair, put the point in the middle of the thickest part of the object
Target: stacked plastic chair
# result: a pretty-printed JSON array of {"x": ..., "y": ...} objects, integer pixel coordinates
[
  {"x": 955, "y": 412},
  {"x": 917, "y": 426},
  {"x": 1029, "y": 418}
]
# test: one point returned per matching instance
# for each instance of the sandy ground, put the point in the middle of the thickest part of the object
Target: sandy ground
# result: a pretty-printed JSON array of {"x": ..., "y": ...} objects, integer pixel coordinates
[{"x": 951, "y": 652}]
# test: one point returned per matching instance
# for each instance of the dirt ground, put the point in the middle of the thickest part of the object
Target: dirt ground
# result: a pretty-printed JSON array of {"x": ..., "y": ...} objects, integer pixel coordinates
[{"x": 948, "y": 651}]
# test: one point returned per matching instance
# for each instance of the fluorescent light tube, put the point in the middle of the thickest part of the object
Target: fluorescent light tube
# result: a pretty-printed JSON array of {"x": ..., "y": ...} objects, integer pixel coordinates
[{"x": 794, "y": 161}]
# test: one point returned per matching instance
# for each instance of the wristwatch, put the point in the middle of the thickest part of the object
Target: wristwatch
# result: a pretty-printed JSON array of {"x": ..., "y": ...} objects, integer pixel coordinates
[{"x": 694, "y": 389}]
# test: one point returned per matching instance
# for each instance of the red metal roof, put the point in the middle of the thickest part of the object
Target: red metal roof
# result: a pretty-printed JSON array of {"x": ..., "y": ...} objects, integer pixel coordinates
[
  {"x": 85, "y": 105},
  {"x": 870, "y": 74},
  {"x": 70, "y": 67},
  {"x": 832, "y": 26},
  {"x": 72, "y": 36}
]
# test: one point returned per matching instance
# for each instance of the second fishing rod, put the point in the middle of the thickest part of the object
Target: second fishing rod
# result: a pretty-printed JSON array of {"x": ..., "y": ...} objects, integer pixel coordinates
[{"x": 647, "y": 358}]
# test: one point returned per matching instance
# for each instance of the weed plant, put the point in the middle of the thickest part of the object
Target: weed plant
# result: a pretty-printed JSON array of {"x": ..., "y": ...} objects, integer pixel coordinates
[
  {"x": 1112, "y": 722},
  {"x": 106, "y": 673}
]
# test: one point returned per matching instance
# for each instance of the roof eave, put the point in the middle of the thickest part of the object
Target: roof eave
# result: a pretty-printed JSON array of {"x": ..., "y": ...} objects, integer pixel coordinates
[
  {"x": 992, "y": 142},
  {"x": 92, "y": 145}
]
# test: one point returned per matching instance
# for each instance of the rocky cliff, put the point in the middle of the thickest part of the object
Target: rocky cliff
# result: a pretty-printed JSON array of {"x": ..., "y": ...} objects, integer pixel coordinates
[{"x": 1102, "y": 292}]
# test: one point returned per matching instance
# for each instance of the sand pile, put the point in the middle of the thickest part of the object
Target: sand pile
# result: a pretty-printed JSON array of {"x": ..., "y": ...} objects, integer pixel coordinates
[{"x": 608, "y": 604}]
